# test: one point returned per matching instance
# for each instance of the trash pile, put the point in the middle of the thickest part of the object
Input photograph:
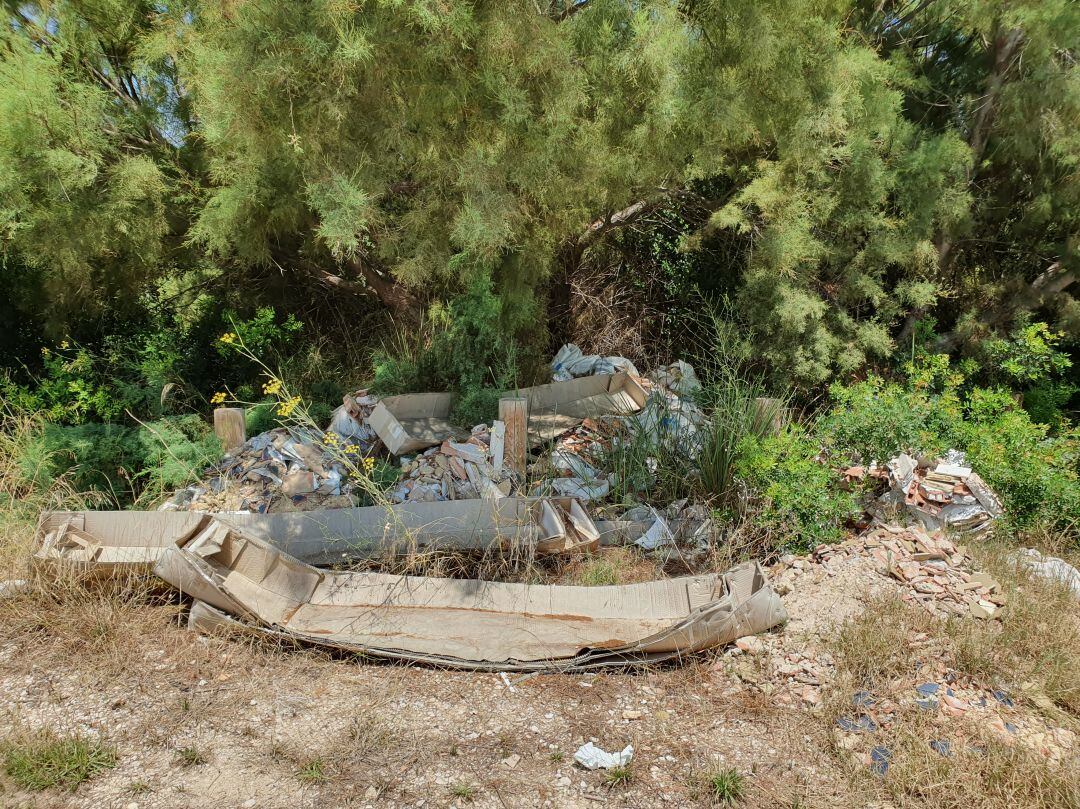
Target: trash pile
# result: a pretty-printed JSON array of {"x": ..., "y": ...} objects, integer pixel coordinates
[
  {"x": 570, "y": 362},
  {"x": 949, "y": 495},
  {"x": 938, "y": 574},
  {"x": 576, "y": 459},
  {"x": 279, "y": 470},
  {"x": 457, "y": 471}
]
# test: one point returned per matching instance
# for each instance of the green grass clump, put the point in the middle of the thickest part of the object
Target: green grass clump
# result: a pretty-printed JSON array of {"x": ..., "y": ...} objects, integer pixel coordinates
[
  {"x": 47, "y": 760},
  {"x": 313, "y": 772},
  {"x": 725, "y": 786}
]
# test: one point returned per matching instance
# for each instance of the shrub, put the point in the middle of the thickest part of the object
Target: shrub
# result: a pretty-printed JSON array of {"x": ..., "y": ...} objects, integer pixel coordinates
[
  {"x": 875, "y": 419},
  {"x": 123, "y": 461},
  {"x": 799, "y": 499},
  {"x": 1035, "y": 474},
  {"x": 466, "y": 346}
]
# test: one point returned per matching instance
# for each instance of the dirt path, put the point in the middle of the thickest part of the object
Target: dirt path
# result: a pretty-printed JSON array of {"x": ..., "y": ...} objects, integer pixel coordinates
[{"x": 216, "y": 723}]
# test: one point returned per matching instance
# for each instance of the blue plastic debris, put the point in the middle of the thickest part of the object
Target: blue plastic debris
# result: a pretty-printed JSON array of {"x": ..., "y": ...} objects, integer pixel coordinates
[
  {"x": 879, "y": 760},
  {"x": 862, "y": 724},
  {"x": 862, "y": 699},
  {"x": 1009, "y": 726},
  {"x": 941, "y": 746},
  {"x": 928, "y": 689},
  {"x": 1003, "y": 698},
  {"x": 927, "y": 704}
]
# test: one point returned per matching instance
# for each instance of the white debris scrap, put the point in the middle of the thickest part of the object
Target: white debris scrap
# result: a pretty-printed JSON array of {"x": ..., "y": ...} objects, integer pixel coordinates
[
  {"x": 659, "y": 533},
  {"x": 571, "y": 362},
  {"x": 592, "y": 757},
  {"x": 1049, "y": 567}
]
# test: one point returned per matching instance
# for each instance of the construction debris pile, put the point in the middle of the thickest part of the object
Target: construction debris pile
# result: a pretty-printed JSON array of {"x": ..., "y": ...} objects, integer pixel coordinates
[
  {"x": 946, "y": 494},
  {"x": 936, "y": 572},
  {"x": 279, "y": 470},
  {"x": 457, "y": 470}
]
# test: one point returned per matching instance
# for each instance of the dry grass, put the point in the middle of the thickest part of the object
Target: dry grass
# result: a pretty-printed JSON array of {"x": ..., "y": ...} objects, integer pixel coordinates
[
  {"x": 1035, "y": 648},
  {"x": 1033, "y": 652},
  {"x": 980, "y": 771}
]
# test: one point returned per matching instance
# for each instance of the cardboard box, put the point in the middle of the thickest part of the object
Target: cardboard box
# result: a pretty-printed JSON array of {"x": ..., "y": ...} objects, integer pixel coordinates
[{"x": 415, "y": 421}]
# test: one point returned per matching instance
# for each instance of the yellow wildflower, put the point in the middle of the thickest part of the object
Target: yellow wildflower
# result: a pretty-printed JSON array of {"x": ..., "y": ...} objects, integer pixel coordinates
[
  {"x": 286, "y": 408},
  {"x": 45, "y": 351},
  {"x": 64, "y": 344},
  {"x": 330, "y": 439},
  {"x": 369, "y": 465},
  {"x": 217, "y": 398},
  {"x": 272, "y": 387},
  {"x": 228, "y": 337}
]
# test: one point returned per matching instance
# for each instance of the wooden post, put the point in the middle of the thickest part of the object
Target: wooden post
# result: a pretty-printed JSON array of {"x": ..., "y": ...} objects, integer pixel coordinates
[
  {"x": 514, "y": 413},
  {"x": 229, "y": 427}
]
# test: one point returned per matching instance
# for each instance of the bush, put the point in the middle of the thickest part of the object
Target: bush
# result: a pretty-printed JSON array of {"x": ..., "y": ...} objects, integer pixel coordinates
[
  {"x": 1034, "y": 474},
  {"x": 466, "y": 346},
  {"x": 125, "y": 462},
  {"x": 799, "y": 499},
  {"x": 874, "y": 420}
]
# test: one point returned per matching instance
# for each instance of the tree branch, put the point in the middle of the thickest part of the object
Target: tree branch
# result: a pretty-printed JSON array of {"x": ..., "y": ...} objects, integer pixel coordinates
[{"x": 1054, "y": 280}]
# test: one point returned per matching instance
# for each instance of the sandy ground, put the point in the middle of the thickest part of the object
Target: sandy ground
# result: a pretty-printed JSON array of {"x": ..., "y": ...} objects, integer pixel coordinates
[
  {"x": 404, "y": 736},
  {"x": 372, "y": 734}
]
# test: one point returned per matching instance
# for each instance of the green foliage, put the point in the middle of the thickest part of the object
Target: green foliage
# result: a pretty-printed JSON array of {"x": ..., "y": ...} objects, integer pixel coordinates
[
  {"x": 261, "y": 333},
  {"x": 470, "y": 349},
  {"x": 725, "y": 786},
  {"x": 874, "y": 420},
  {"x": 800, "y": 501},
  {"x": 1030, "y": 354},
  {"x": 47, "y": 761},
  {"x": 1035, "y": 474},
  {"x": 126, "y": 462}
]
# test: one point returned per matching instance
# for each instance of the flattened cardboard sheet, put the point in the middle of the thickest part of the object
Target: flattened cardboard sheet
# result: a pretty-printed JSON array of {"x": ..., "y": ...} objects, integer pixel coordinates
[
  {"x": 475, "y": 624},
  {"x": 107, "y": 541}
]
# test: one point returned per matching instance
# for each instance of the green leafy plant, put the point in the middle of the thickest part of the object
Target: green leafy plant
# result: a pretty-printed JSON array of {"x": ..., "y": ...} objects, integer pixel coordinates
[
  {"x": 1030, "y": 354},
  {"x": 797, "y": 498},
  {"x": 874, "y": 420},
  {"x": 467, "y": 346}
]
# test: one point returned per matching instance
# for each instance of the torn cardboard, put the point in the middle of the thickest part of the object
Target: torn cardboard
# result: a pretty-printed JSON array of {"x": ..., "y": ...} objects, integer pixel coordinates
[
  {"x": 413, "y": 421},
  {"x": 560, "y": 406},
  {"x": 469, "y": 623},
  {"x": 106, "y": 541}
]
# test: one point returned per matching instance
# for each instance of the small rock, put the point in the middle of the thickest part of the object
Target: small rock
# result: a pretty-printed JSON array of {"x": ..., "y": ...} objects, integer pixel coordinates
[
  {"x": 511, "y": 761},
  {"x": 632, "y": 714},
  {"x": 751, "y": 644}
]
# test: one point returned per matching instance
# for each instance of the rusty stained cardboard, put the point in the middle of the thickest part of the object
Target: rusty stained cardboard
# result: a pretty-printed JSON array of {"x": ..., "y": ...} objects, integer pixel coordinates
[
  {"x": 469, "y": 623},
  {"x": 412, "y": 422},
  {"x": 108, "y": 540}
]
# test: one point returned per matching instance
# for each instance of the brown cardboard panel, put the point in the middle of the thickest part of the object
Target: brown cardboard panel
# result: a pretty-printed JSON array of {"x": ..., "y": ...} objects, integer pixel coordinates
[
  {"x": 414, "y": 421},
  {"x": 482, "y": 624},
  {"x": 326, "y": 537}
]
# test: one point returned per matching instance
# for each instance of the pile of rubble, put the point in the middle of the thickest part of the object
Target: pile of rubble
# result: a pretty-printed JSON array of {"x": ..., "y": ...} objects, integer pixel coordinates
[
  {"x": 279, "y": 470},
  {"x": 944, "y": 494},
  {"x": 936, "y": 572},
  {"x": 457, "y": 471}
]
